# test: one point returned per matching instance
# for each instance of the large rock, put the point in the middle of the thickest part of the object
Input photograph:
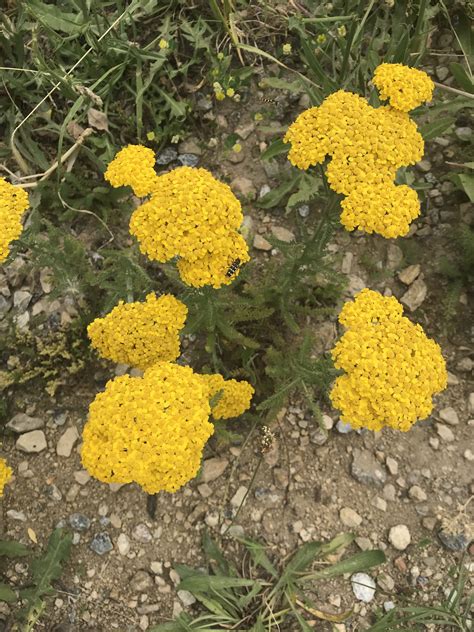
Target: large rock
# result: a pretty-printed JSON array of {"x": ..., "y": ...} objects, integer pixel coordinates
[
  {"x": 32, "y": 442},
  {"x": 366, "y": 469},
  {"x": 21, "y": 423}
]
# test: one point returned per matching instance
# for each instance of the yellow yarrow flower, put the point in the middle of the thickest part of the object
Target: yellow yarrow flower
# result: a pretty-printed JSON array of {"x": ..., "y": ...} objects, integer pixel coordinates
[
  {"x": 212, "y": 268},
  {"x": 133, "y": 166},
  {"x": 230, "y": 92},
  {"x": 13, "y": 203},
  {"x": 150, "y": 430},
  {"x": 287, "y": 48},
  {"x": 367, "y": 146},
  {"x": 189, "y": 215},
  {"x": 341, "y": 30},
  {"x": 405, "y": 88},
  {"x": 163, "y": 44},
  {"x": 6, "y": 473},
  {"x": 321, "y": 39},
  {"x": 392, "y": 369},
  {"x": 234, "y": 397},
  {"x": 141, "y": 333}
]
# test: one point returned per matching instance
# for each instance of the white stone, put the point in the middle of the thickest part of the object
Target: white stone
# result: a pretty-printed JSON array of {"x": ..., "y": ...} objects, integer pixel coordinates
[
  {"x": 399, "y": 537},
  {"x": 213, "y": 468},
  {"x": 24, "y": 423},
  {"x": 349, "y": 517},
  {"x": 470, "y": 404},
  {"x": 444, "y": 432},
  {"x": 469, "y": 455},
  {"x": 67, "y": 441},
  {"x": 283, "y": 234},
  {"x": 416, "y": 493},
  {"x": 408, "y": 275},
  {"x": 363, "y": 587},
  {"x": 260, "y": 243},
  {"x": 238, "y": 498},
  {"x": 392, "y": 465},
  {"x": 123, "y": 544},
  {"x": 30, "y": 442},
  {"x": 415, "y": 296},
  {"x": 449, "y": 416},
  {"x": 186, "y": 598}
]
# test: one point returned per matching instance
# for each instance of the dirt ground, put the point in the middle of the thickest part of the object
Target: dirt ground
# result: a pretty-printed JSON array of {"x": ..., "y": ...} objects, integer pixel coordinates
[{"x": 310, "y": 486}]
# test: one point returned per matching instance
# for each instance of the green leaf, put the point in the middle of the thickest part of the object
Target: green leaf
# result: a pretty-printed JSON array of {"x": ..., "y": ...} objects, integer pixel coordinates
[
  {"x": 281, "y": 84},
  {"x": 258, "y": 554},
  {"x": 462, "y": 78},
  {"x": 359, "y": 562},
  {"x": 178, "y": 108},
  {"x": 10, "y": 548},
  {"x": 275, "y": 148},
  {"x": 47, "y": 568},
  {"x": 273, "y": 197},
  {"x": 6, "y": 593},
  {"x": 213, "y": 552},
  {"x": 51, "y": 16},
  {"x": 436, "y": 128},
  {"x": 465, "y": 181},
  {"x": 206, "y": 583}
]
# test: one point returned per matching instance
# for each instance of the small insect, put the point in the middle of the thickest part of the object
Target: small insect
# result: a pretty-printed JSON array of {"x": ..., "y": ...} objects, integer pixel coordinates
[
  {"x": 267, "y": 100},
  {"x": 234, "y": 266}
]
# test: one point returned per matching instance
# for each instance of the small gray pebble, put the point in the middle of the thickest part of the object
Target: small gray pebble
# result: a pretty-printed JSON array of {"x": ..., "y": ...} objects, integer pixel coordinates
[
  {"x": 79, "y": 522},
  {"x": 343, "y": 428},
  {"x": 188, "y": 160},
  {"x": 457, "y": 542},
  {"x": 101, "y": 543},
  {"x": 303, "y": 210},
  {"x": 166, "y": 156}
]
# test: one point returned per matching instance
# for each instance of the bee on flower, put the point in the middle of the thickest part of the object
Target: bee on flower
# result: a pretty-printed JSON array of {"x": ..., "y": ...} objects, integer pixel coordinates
[{"x": 189, "y": 215}]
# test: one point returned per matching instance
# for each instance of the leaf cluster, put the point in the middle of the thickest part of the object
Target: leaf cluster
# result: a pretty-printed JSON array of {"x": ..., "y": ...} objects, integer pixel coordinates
[
  {"x": 44, "y": 569},
  {"x": 264, "y": 594}
]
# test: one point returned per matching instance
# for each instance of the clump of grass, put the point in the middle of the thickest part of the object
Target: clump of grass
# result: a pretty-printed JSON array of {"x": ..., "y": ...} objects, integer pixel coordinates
[{"x": 264, "y": 594}]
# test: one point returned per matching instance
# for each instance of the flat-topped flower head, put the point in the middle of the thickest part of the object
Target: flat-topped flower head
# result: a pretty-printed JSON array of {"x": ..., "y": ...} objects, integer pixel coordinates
[
  {"x": 6, "y": 473},
  {"x": 405, "y": 88},
  {"x": 133, "y": 166},
  {"x": 13, "y": 203},
  {"x": 391, "y": 368},
  {"x": 366, "y": 146},
  {"x": 150, "y": 430},
  {"x": 234, "y": 396},
  {"x": 140, "y": 333},
  {"x": 219, "y": 267},
  {"x": 189, "y": 215}
]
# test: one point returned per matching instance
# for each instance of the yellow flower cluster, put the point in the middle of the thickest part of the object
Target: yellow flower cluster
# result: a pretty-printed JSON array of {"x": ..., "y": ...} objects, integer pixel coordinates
[
  {"x": 189, "y": 215},
  {"x": 13, "y": 203},
  {"x": 133, "y": 166},
  {"x": 5, "y": 475},
  {"x": 392, "y": 369},
  {"x": 141, "y": 333},
  {"x": 405, "y": 88},
  {"x": 234, "y": 396},
  {"x": 367, "y": 146},
  {"x": 152, "y": 429}
]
